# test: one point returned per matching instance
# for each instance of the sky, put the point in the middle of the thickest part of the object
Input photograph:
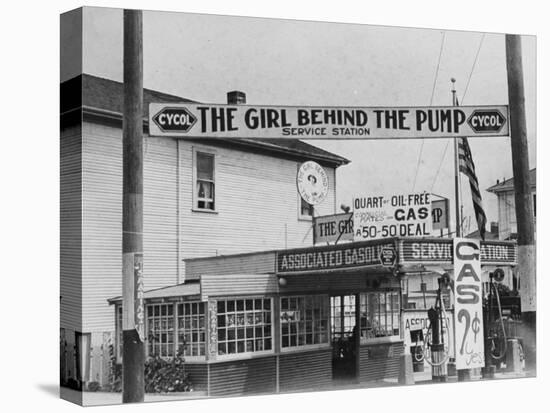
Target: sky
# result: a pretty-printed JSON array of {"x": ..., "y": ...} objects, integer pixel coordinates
[{"x": 295, "y": 63}]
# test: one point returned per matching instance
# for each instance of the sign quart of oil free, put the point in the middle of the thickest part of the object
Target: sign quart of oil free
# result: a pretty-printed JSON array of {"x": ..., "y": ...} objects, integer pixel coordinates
[
  {"x": 384, "y": 216},
  {"x": 268, "y": 122}
]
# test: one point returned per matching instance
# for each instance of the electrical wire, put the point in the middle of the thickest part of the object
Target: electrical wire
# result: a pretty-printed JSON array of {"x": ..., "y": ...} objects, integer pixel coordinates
[
  {"x": 431, "y": 102},
  {"x": 463, "y": 96}
]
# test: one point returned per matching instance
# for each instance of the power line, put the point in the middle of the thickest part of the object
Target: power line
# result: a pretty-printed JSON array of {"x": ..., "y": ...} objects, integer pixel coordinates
[
  {"x": 463, "y": 96},
  {"x": 431, "y": 101}
]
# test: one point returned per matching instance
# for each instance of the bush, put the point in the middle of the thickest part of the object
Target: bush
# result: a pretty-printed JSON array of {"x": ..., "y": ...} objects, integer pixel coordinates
[
  {"x": 163, "y": 376},
  {"x": 94, "y": 386}
]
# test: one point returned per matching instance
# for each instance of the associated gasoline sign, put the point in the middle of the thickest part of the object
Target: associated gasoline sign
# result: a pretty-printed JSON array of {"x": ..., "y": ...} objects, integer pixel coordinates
[
  {"x": 268, "y": 122},
  {"x": 468, "y": 304},
  {"x": 406, "y": 215}
]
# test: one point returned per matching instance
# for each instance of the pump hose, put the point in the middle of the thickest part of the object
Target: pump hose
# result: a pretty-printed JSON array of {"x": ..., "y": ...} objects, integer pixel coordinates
[
  {"x": 501, "y": 356},
  {"x": 425, "y": 347}
]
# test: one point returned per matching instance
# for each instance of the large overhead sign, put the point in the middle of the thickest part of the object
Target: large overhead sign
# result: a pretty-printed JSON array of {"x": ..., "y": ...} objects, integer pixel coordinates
[
  {"x": 269, "y": 122},
  {"x": 405, "y": 215},
  {"x": 440, "y": 251},
  {"x": 334, "y": 257},
  {"x": 468, "y": 304}
]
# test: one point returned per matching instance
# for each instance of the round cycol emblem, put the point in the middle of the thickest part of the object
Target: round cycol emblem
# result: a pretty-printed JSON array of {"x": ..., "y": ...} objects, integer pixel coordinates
[{"x": 312, "y": 182}]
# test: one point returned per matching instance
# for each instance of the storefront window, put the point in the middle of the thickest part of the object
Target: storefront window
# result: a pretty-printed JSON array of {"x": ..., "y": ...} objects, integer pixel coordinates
[
  {"x": 187, "y": 336},
  {"x": 304, "y": 320},
  {"x": 380, "y": 315},
  {"x": 191, "y": 329},
  {"x": 160, "y": 322},
  {"x": 244, "y": 326}
]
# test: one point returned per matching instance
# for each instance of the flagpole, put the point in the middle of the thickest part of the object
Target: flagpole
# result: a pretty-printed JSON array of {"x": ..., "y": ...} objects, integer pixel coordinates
[{"x": 458, "y": 218}]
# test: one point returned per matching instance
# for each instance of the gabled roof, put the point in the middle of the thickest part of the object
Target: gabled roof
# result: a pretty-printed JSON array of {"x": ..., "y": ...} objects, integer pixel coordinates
[
  {"x": 508, "y": 184},
  {"x": 104, "y": 98}
]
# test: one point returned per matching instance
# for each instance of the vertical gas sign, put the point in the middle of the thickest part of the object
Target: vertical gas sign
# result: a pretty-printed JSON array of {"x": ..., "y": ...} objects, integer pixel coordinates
[{"x": 468, "y": 304}]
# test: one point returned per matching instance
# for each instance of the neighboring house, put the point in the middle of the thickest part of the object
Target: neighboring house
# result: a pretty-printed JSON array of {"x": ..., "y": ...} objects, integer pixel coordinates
[
  {"x": 201, "y": 198},
  {"x": 492, "y": 234},
  {"x": 507, "y": 224}
]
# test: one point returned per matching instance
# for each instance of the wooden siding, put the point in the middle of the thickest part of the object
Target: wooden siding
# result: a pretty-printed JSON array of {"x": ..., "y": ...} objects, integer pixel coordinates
[
  {"x": 256, "y": 199},
  {"x": 238, "y": 285},
  {"x": 240, "y": 377},
  {"x": 198, "y": 374},
  {"x": 260, "y": 263},
  {"x": 256, "y": 204},
  {"x": 71, "y": 229},
  {"x": 379, "y": 361},
  {"x": 102, "y": 220},
  {"x": 305, "y": 370}
]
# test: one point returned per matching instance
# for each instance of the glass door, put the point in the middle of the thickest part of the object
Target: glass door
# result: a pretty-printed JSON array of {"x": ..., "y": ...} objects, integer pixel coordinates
[{"x": 342, "y": 314}]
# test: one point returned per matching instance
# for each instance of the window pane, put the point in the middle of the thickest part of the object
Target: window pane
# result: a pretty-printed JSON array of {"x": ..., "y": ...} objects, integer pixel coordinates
[
  {"x": 205, "y": 166},
  {"x": 205, "y": 190},
  {"x": 302, "y": 319},
  {"x": 246, "y": 320}
]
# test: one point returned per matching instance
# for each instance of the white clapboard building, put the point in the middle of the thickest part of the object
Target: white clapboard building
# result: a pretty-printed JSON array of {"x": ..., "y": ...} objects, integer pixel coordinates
[{"x": 201, "y": 198}]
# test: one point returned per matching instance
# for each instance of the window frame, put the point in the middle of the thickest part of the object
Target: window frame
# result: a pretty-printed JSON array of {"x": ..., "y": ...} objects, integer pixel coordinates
[
  {"x": 306, "y": 347},
  {"x": 207, "y": 151},
  {"x": 245, "y": 354},
  {"x": 302, "y": 217},
  {"x": 176, "y": 329},
  {"x": 395, "y": 309}
]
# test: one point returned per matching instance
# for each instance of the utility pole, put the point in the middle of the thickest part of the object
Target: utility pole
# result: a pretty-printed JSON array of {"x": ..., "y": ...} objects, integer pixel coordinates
[
  {"x": 523, "y": 200},
  {"x": 133, "y": 349}
]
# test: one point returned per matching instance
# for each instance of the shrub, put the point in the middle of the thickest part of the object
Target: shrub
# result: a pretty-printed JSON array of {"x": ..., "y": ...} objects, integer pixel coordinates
[
  {"x": 160, "y": 376},
  {"x": 163, "y": 376}
]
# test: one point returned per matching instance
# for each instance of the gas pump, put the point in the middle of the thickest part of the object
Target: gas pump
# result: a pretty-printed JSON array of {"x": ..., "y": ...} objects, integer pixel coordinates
[
  {"x": 436, "y": 349},
  {"x": 493, "y": 325}
]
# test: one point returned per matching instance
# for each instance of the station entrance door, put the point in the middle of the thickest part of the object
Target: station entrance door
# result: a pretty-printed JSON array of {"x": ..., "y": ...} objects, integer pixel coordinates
[{"x": 344, "y": 352}]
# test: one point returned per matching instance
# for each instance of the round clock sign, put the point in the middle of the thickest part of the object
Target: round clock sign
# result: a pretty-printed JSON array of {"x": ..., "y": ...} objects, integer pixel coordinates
[{"x": 312, "y": 182}]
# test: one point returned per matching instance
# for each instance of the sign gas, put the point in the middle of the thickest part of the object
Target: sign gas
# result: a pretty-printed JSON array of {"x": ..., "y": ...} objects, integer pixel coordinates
[{"x": 468, "y": 304}]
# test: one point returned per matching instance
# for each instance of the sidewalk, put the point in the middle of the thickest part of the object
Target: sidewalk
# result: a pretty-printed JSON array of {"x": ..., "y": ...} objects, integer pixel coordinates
[
  {"x": 109, "y": 398},
  {"x": 420, "y": 378}
]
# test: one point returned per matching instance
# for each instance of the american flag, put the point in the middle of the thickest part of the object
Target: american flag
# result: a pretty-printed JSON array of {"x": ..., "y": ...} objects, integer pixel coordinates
[{"x": 466, "y": 166}]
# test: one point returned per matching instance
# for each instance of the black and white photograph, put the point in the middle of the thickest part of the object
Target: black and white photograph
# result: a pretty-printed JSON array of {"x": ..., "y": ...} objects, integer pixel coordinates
[
  {"x": 256, "y": 206},
  {"x": 280, "y": 211}
]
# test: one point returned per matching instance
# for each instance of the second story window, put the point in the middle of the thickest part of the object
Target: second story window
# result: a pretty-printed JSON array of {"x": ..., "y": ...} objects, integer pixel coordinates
[
  {"x": 306, "y": 210},
  {"x": 205, "y": 185}
]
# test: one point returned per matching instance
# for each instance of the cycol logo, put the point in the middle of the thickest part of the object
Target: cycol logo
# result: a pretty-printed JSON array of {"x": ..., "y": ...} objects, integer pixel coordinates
[
  {"x": 174, "y": 119},
  {"x": 486, "y": 121}
]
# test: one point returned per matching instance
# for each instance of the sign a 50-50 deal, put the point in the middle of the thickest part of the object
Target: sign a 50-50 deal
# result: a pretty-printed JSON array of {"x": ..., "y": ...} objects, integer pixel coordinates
[{"x": 384, "y": 216}]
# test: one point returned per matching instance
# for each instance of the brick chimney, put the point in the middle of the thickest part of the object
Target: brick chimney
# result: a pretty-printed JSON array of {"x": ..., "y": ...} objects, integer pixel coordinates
[{"x": 236, "y": 97}]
